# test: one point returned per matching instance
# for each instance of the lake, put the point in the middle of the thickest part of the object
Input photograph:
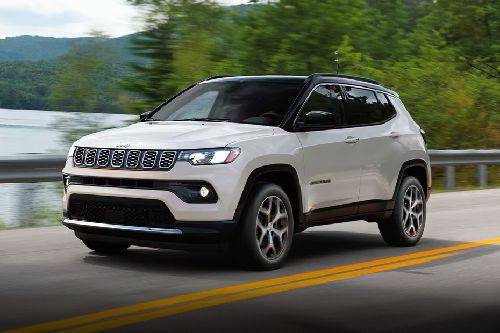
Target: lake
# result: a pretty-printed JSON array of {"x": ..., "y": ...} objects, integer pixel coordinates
[{"x": 37, "y": 132}]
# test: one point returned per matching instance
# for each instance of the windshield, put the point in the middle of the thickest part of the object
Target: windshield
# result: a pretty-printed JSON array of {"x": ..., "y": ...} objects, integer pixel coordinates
[{"x": 251, "y": 102}]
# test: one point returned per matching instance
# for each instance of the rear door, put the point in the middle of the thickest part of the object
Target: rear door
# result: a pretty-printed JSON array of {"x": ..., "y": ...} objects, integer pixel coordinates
[
  {"x": 331, "y": 157},
  {"x": 379, "y": 149}
]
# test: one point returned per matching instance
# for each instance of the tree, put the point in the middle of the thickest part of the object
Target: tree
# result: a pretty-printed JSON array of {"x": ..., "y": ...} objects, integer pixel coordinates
[{"x": 85, "y": 80}]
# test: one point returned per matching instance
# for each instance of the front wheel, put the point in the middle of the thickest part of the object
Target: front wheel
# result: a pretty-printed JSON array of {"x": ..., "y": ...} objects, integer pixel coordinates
[
  {"x": 407, "y": 223},
  {"x": 266, "y": 229}
]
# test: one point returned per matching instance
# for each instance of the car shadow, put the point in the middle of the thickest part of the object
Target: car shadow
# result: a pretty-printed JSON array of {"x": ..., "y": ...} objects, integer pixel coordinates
[{"x": 311, "y": 250}]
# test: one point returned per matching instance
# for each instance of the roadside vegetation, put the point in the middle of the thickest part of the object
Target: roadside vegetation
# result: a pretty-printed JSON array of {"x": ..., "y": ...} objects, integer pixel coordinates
[{"x": 441, "y": 56}]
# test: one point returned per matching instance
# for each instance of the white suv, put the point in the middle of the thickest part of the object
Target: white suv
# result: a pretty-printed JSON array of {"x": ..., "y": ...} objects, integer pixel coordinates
[{"x": 249, "y": 161}]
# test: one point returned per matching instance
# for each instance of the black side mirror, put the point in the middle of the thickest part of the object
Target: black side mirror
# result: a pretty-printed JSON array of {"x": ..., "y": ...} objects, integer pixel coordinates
[
  {"x": 144, "y": 115},
  {"x": 319, "y": 118}
]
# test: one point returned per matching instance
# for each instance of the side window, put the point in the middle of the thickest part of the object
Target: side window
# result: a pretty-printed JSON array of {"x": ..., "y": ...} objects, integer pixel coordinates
[
  {"x": 362, "y": 107},
  {"x": 325, "y": 98},
  {"x": 386, "y": 106}
]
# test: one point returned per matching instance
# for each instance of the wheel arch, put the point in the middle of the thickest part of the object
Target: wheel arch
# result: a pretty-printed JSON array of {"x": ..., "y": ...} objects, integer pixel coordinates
[
  {"x": 283, "y": 175},
  {"x": 417, "y": 168}
]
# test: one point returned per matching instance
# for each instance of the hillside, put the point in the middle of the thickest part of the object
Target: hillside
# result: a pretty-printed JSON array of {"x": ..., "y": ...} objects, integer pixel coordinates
[{"x": 35, "y": 48}]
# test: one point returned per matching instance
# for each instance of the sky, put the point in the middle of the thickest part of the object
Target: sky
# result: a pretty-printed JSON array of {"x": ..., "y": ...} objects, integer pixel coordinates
[{"x": 70, "y": 18}]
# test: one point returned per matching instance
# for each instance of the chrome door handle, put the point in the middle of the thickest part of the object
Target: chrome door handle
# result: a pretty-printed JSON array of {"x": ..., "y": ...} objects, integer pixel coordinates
[{"x": 351, "y": 140}]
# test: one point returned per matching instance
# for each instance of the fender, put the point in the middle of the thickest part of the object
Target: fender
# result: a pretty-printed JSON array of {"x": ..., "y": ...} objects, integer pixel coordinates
[
  {"x": 409, "y": 164},
  {"x": 257, "y": 176}
]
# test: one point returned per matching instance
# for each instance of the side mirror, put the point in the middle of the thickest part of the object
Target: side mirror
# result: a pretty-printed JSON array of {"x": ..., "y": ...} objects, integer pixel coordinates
[
  {"x": 319, "y": 118},
  {"x": 144, "y": 115}
]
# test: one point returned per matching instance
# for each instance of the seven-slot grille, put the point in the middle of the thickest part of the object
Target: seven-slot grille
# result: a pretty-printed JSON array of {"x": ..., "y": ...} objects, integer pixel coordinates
[
  {"x": 149, "y": 159},
  {"x": 117, "y": 158},
  {"x": 167, "y": 159},
  {"x": 79, "y": 156},
  {"x": 133, "y": 159},
  {"x": 90, "y": 157},
  {"x": 103, "y": 159}
]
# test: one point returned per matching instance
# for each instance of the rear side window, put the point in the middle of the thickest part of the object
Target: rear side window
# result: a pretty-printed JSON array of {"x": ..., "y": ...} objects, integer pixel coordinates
[
  {"x": 363, "y": 108},
  {"x": 387, "y": 107},
  {"x": 326, "y": 98}
]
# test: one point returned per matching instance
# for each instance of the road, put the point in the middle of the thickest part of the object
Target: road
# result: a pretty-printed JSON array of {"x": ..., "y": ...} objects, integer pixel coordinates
[{"x": 340, "y": 278}]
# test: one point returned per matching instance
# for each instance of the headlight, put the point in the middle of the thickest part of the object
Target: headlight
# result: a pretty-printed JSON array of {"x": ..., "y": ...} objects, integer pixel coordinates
[{"x": 209, "y": 156}]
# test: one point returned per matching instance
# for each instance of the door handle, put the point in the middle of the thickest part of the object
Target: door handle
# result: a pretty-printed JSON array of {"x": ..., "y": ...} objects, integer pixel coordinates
[
  {"x": 351, "y": 140},
  {"x": 394, "y": 135}
]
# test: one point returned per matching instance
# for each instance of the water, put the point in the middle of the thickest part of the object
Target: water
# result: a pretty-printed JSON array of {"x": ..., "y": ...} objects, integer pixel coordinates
[{"x": 37, "y": 132}]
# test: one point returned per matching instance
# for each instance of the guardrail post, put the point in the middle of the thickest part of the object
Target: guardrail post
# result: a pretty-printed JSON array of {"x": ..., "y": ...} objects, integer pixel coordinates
[
  {"x": 482, "y": 174},
  {"x": 450, "y": 177}
]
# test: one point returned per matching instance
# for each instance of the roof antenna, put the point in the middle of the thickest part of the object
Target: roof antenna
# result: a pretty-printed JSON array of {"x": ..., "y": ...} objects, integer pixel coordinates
[{"x": 337, "y": 61}]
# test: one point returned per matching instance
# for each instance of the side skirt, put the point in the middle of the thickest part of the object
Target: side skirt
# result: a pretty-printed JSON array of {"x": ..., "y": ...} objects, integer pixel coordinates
[{"x": 370, "y": 211}]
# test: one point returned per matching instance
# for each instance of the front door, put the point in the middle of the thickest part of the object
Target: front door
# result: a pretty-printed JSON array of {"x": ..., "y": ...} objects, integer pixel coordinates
[{"x": 331, "y": 162}]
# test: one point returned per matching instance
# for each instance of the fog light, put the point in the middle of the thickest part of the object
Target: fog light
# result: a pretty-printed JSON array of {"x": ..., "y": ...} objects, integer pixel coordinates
[{"x": 204, "y": 192}]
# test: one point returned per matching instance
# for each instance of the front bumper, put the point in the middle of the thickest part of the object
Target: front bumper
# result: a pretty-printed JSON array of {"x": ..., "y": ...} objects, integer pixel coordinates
[{"x": 173, "y": 237}]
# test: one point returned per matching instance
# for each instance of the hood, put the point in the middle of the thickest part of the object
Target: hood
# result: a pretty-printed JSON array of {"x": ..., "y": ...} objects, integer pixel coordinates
[{"x": 174, "y": 135}]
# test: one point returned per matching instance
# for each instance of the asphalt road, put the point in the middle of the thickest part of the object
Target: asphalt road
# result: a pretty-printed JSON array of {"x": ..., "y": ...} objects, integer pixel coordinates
[{"x": 335, "y": 281}]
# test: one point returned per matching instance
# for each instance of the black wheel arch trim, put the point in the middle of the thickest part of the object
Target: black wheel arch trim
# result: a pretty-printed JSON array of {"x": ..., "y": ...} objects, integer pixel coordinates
[
  {"x": 252, "y": 180},
  {"x": 410, "y": 164}
]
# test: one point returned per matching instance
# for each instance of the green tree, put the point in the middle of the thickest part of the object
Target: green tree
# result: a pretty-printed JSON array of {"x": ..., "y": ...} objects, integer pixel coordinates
[
  {"x": 441, "y": 56},
  {"x": 86, "y": 79}
]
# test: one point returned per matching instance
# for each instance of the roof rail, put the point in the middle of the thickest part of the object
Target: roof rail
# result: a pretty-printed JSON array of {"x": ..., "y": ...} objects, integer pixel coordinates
[
  {"x": 216, "y": 77},
  {"x": 359, "y": 78}
]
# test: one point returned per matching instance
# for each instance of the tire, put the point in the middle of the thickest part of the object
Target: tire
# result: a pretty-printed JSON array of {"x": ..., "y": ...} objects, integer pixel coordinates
[
  {"x": 262, "y": 244},
  {"x": 106, "y": 248},
  {"x": 407, "y": 223}
]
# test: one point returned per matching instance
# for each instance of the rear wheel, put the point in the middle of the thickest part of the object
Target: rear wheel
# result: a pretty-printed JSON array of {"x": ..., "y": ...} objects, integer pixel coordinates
[
  {"x": 266, "y": 229},
  {"x": 407, "y": 223},
  {"x": 106, "y": 248}
]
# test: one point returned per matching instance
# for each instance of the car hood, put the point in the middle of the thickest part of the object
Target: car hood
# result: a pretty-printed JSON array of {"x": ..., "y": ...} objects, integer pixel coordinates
[{"x": 174, "y": 135}]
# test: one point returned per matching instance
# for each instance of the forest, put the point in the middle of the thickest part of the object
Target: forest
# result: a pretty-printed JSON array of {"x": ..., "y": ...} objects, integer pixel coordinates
[{"x": 441, "y": 56}]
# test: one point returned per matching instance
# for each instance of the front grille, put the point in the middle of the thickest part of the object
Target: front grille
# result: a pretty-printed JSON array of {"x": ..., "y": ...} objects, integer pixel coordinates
[
  {"x": 79, "y": 155},
  {"x": 90, "y": 157},
  {"x": 103, "y": 159},
  {"x": 167, "y": 159},
  {"x": 132, "y": 159},
  {"x": 117, "y": 158},
  {"x": 149, "y": 159},
  {"x": 120, "y": 211}
]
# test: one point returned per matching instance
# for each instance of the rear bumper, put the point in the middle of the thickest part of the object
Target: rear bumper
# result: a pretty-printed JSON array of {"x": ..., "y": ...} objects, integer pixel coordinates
[{"x": 180, "y": 235}]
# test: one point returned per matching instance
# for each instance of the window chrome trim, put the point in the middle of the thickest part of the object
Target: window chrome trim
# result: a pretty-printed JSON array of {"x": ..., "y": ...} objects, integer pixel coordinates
[{"x": 341, "y": 85}]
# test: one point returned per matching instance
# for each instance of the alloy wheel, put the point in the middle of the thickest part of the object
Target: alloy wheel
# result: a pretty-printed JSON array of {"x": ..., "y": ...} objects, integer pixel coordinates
[
  {"x": 272, "y": 228},
  {"x": 413, "y": 211}
]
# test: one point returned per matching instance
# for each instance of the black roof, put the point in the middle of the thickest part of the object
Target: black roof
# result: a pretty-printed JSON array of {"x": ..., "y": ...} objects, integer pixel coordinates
[{"x": 314, "y": 79}]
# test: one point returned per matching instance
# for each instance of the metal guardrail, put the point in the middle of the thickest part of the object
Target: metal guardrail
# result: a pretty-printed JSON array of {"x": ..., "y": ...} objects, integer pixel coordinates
[
  {"x": 451, "y": 158},
  {"x": 31, "y": 168},
  {"x": 42, "y": 168}
]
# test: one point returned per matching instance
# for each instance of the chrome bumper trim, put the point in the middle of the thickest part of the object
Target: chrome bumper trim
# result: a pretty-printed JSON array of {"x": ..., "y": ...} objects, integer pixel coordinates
[{"x": 163, "y": 231}]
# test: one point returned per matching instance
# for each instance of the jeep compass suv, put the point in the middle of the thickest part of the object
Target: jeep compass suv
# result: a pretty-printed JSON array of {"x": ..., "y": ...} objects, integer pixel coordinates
[{"x": 249, "y": 161}]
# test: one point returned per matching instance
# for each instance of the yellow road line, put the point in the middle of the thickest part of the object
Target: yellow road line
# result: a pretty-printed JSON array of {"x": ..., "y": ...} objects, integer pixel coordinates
[
  {"x": 166, "y": 302},
  {"x": 205, "y": 303}
]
